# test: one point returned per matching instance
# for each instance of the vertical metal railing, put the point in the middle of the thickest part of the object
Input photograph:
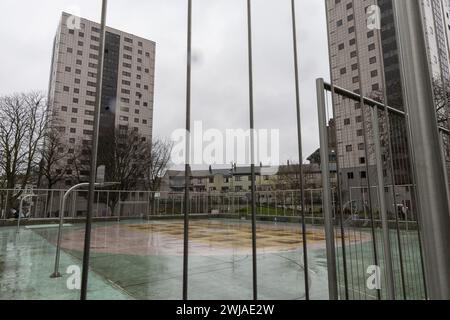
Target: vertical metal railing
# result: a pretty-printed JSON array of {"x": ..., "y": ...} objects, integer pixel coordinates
[{"x": 424, "y": 136}]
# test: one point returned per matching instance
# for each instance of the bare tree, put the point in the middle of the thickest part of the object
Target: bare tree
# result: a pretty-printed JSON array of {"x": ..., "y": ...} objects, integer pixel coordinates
[
  {"x": 53, "y": 164},
  {"x": 157, "y": 163},
  {"x": 442, "y": 102},
  {"x": 23, "y": 120},
  {"x": 124, "y": 153},
  {"x": 79, "y": 164}
]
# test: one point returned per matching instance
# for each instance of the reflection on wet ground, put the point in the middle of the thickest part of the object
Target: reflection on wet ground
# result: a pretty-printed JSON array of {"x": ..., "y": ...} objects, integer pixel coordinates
[
  {"x": 143, "y": 260},
  {"x": 210, "y": 237}
]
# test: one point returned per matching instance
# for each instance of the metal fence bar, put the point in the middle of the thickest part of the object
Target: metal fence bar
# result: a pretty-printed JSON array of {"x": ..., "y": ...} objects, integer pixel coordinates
[
  {"x": 326, "y": 197},
  {"x": 383, "y": 208},
  {"x": 300, "y": 152},
  {"x": 432, "y": 194},
  {"x": 252, "y": 151}
]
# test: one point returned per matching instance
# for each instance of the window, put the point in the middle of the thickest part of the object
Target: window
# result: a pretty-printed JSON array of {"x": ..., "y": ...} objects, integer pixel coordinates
[{"x": 349, "y": 148}]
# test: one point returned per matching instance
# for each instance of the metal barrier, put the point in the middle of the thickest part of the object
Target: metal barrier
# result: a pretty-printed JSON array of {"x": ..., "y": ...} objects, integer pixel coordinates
[
  {"x": 370, "y": 196},
  {"x": 114, "y": 204}
]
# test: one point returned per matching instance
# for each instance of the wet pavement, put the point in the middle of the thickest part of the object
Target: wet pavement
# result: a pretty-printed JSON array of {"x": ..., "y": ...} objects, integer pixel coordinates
[
  {"x": 26, "y": 263},
  {"x": 143, "y": 260}
]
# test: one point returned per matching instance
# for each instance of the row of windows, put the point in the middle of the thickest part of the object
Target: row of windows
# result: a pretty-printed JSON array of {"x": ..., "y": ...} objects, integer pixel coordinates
[
  {"x": 347, "y": 121},
  {"x": 97, "y": 39}
]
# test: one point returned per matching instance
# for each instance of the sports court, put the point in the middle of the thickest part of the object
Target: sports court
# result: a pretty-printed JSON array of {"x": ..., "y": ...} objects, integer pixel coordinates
[{"x": 140, "y": 259}]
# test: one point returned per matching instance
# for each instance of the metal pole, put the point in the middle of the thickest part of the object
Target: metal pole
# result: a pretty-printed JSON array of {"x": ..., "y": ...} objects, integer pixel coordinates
[
  {"x": 56, "y": 273},
  {"x": 391, "y": 164},
  {"x": 433, "y": 206},
  {"x": 93, "y": 173},
  {"x": 366, "y": 142},
  {"x": 326, "y": 197},
  {"x": 338, "y": 170},
  {"x": 300, "y": 151},
  {"x": 383, "y": 209},
  {"x": 188, "y": 150},
  {"x": 252, "y": 151}
]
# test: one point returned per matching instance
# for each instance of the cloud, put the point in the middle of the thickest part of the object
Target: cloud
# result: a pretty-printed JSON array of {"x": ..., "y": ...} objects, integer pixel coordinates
[{"x": 220, "y": 71}]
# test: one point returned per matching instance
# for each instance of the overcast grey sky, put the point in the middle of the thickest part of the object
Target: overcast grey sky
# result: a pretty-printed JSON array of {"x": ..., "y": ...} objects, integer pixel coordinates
[{"x": 220, "y": 76}]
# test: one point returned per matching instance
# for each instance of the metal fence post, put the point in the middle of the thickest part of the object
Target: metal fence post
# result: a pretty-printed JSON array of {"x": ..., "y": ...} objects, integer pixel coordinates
[
  {"x": 383, "y": 208},
  {"x": 327, "y": 210},
  {"x": 93, "y": 166},
  {"x": 433, "y": 206}
]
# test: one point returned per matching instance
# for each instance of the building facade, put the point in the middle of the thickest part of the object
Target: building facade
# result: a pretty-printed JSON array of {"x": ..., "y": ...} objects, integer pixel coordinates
[
  {"x": 364, "y": 55},
  {"x": 127, "y": 88}
]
